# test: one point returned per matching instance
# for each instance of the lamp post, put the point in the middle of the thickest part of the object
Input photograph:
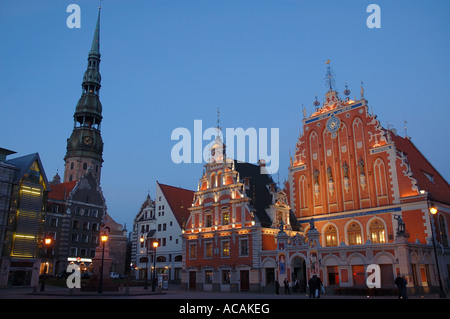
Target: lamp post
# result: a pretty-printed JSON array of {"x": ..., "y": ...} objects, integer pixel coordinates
[
  {"x": 146, "y": 263},
  {"x": 155, "y": 245},
  {"x": 47, "y": 243},
  {"x": 104, "y": 239},
  {"x": 433, "y": 211}
]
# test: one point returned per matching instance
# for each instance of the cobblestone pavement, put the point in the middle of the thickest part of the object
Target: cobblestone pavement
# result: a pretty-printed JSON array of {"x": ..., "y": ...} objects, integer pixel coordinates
[{"x": 138, "y": 292}]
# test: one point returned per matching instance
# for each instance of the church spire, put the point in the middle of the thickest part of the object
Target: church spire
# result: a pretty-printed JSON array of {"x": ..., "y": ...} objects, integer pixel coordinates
[
  {"x": 95, "y": 48},
  {"x": 85, "y": 145}
]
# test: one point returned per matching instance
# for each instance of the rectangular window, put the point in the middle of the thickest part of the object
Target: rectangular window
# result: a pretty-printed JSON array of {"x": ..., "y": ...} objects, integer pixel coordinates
[
  {"x": 208, "y": 250},
  {"x": 226, "y": 277},
  {"x": 208, "y": 220},
  {"x": 53, "y": 222},
  {"x": 243, "y": 247},
  {"x": 73, "y": 251},
  {"x": 192, "y": 251},
  {"x": 226, "y": 218},
  {"x": 208, "y": 276},
  {"x": 225, "y": 248}
]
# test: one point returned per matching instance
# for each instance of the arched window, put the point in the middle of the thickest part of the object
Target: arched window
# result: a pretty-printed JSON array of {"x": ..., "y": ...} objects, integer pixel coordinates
[
  {"x": 354, "y": 234},
  {"x": 143, "y": 260},
  {"x": 161, "y": 259},
  {"x": 377, "y": 232},
  {"x": 330, "y": 236},
  {"x": 443, "y": 231},
  {"x": 303, "y": 192}
]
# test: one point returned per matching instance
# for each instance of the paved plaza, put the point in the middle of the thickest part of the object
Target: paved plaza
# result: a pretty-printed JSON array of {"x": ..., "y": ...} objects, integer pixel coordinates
[{"x": 174, "y": 292}]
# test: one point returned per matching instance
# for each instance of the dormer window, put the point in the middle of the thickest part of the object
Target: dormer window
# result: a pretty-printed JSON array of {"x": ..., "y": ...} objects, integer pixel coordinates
[{"x": 429, "y": 176}]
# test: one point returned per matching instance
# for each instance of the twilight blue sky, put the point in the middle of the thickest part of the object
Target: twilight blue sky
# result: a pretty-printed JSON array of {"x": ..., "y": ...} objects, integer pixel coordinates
[{"x": 166, "y": 63}]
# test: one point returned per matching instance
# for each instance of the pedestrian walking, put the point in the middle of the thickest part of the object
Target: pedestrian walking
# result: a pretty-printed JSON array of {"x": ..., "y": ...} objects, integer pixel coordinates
[
  {"x": 319, "y": 286},
  {"x": 277, "y": 287},
  {"x": 400, "y": 282},
  {"x": 286, "y": 287},
  {"x": 312, "y": 283}
]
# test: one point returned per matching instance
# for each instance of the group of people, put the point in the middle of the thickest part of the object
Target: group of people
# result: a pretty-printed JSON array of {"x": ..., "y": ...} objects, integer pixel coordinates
[
  {"x": 316, "y": 286},
  {"x": 314, "y": 283}
]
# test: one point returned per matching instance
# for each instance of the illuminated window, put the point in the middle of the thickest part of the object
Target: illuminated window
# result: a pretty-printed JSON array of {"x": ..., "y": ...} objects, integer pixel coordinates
[
  {"x": 377, "y": 232},
  {"x": 225, "y": 218},
  {"x": 225, "y": 248},
  {"x": 330, "y": 236},
  {"x": 354, "y": 234}
]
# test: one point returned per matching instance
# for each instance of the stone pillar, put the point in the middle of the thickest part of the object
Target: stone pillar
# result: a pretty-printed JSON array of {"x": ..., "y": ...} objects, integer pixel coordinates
[
  {"x": 313, "y": 254},
  {"x": 282, "y": 257}
]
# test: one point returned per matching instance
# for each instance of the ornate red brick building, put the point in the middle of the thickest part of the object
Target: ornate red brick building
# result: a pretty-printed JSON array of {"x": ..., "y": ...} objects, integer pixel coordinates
[
  {"x": 368, "y": 191},
  {"x": 357, "y": 194}
]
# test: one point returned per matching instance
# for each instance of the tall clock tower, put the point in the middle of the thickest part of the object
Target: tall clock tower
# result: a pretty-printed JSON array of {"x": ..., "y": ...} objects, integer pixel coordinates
[{"x": 85, "y": 145}]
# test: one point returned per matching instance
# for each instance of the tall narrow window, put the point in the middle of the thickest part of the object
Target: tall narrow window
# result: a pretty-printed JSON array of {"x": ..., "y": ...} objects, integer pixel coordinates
[
  {"x": 330, "y": 236},
  {"x": 225, "y": 217},
  {"x": 208, "y": 220},
  {"x": 443, "y": 231},
  {"x": 193, "y": 251},
  {"x": 377, "y": 232},
  {"x": 208, "y": 250},
  {"x": 225, "y": 248},
  {"x": 354, "y": 234}
]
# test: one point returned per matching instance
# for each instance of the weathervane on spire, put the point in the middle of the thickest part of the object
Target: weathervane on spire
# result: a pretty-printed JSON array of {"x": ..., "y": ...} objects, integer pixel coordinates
[
  {"x": 218, "y": 118},
  {"x": 329, "y": 78}
]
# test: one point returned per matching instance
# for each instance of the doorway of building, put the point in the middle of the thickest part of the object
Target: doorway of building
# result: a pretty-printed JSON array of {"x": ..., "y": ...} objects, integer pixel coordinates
[
  {"x": 270, "y": 276},
  {"x": 299, "y": 273},
  {"x": 245, "y": 283},
  {"x": 192, "y": 280}
]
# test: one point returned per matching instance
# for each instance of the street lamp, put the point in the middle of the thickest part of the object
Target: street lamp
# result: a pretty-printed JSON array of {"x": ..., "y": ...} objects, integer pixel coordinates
[
  {"x": 47, "y": 243},
  {"x": 433, "y": 211},
  {"x": 155, "y": 245},
  {"x": 146, "y": 262},
  {"x": 103, "y": 239}
]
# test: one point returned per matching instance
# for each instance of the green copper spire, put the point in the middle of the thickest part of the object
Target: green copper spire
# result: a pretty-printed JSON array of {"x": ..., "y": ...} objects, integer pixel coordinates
[{"x": 95, "y": 49}]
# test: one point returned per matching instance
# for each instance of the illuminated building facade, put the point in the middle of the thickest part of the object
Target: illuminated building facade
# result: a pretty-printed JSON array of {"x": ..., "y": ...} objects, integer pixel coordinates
[
  {"x": 230, "y": 238},
  {"x": 368, "y": 192},
  {"x": 357, "y": 195},
  {"x": 24, "y": 189}
]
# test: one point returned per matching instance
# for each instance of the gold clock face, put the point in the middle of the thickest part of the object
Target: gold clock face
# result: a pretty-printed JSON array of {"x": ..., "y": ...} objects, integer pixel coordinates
[{"x": 87, "y": 140}]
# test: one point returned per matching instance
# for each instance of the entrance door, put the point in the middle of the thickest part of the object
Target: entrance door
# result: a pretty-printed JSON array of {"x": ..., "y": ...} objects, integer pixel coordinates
[
  {"x": 270, "y": 276},
  {"x": 299, "y": 266},
  {"x": 245, "y": 284},
  {"x": 192, "y": 279}
]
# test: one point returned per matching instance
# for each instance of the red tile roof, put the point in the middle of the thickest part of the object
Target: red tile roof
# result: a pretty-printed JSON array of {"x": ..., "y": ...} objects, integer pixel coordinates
[
  {"x": 61, "y": 191},
  {"x": 179, "y": 200},
  {"x": 438, "y": 187}
]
